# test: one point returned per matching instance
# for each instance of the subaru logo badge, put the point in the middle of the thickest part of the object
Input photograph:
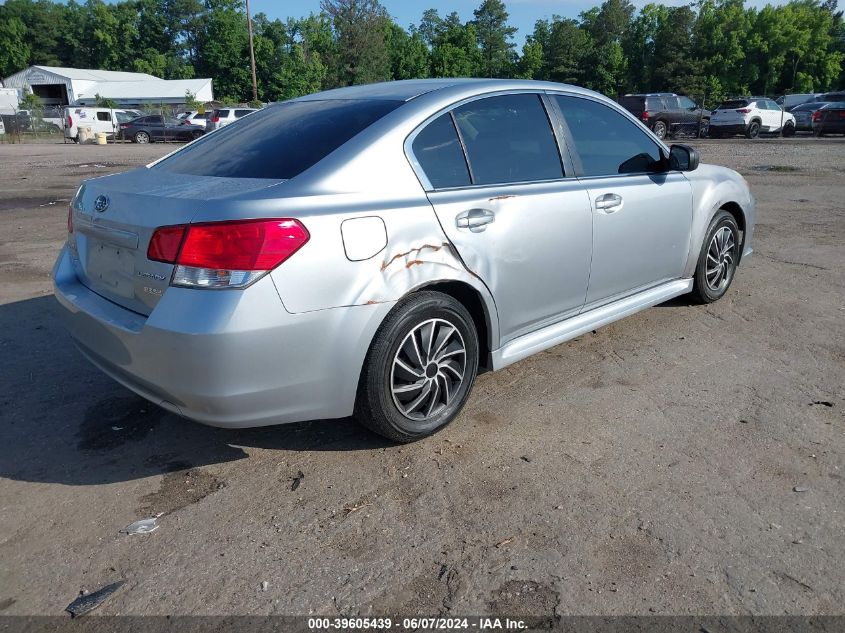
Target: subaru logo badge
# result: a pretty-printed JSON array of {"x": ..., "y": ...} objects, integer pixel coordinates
[{"x": 101, "y": 204}]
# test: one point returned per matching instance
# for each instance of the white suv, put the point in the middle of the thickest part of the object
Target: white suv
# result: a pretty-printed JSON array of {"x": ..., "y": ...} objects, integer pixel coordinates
[
  {"x": 224, "y": 116},
  {"x": 751, "y": 117}
]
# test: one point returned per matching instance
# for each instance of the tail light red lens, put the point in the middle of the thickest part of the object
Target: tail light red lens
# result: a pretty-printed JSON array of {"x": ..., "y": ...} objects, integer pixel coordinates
[
  {"x": 69, "y": 121},
  {"x": 645, "y": 116},
  {"x": 744, "y": 110},
  {"x": 817, "y": 116},
  {"x": 243, "y": 245},
  {"x": 164, "y": 244}
]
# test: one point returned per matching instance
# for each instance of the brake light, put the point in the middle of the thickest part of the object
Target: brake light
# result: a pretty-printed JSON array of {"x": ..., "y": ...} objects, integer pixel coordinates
[
  {"x": 226, "y": 254},
  {"x": 842, "y": 114},
  {"x": 69, "y": 121},
  {"x": 645, "y": 116},
  {"x": 123, "y": 126},
  {"x": 164, "y": 244},
  {"x": 744, "y": 110},
  {"x": 817, "y": 115}
]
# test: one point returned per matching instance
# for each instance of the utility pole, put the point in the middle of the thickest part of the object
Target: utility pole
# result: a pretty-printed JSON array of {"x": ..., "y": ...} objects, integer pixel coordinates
[{"x": 251, "y": 53}]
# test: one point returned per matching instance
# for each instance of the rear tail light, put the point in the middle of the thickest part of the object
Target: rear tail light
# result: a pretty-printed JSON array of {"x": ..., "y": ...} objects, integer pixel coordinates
[
  {"x": 124, "y": 126},
  {"x": 842, "y": 114},
  {"x": 226, "y": 254},
  {"x": 744, "y": 110},
  {"x": 645, "y": 116},
  {"x": 69, "y": 121},
  {"x": 817, "y": 115}
]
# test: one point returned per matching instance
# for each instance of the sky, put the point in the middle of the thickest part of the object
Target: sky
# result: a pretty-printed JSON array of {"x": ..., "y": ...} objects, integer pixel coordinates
[{"x": 523, "y": 13}]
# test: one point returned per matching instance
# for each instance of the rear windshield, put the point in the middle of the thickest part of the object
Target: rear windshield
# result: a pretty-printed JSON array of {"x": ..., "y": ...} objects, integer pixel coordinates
[
  {"x": 731, "y": 105},
  {"x": 632, "y": 103},
  {"x": 837, "y": 105},
  {"x": 280, "y": 141}
]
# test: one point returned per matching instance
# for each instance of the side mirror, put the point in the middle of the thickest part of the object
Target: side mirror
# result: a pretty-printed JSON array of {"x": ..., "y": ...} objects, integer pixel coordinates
[{"x": 683, "y": 158}]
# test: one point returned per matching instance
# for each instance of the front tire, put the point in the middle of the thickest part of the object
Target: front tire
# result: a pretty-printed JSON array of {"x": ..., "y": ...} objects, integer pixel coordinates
[
  {"x": 718, "y": 259},
  {"x": 420, "y": 368}
]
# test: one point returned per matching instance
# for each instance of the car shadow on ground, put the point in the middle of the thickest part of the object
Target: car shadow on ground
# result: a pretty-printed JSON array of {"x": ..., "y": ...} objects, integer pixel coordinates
[{"x": 63, "y": 421}]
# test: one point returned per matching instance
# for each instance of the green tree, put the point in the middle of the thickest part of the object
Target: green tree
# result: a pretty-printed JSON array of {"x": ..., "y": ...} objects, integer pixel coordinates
[
  {"x": 360, "y": 26},
  {"x": 455, "y": 52},
  {"x": 14, "y": 48},
  {"x": 494, "y": 38},
  {"x": 222, "y": 48}
]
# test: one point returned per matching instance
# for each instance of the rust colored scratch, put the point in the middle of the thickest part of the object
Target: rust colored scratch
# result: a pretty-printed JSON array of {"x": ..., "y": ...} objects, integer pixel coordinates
[
  {"x": 414, "y": 262},
  {"x": 431, "y": 247},
  {"x": 494, "y": 198}
]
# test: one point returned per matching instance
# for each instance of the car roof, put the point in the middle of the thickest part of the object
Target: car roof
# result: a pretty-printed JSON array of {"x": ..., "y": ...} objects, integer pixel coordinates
[{"x": 408, "y": 89}]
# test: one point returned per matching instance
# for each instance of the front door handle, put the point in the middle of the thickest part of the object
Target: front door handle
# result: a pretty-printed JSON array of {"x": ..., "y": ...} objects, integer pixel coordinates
[
  {"x": 476, "y": 220},
  {"x": 609, "y": 202}
]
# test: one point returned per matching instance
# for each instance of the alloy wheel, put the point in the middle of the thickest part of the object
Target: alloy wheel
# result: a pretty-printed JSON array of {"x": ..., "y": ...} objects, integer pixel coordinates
[
  {"x": 428, "y": 369},
  {"x": 721, "y": 259}
]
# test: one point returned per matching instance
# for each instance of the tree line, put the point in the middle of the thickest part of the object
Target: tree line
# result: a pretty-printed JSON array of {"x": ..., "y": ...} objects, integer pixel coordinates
[{"x": 714, "y": 47}]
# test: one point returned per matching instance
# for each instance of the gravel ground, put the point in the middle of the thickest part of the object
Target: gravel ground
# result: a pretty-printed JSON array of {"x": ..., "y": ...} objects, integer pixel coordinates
[{"x": 648, "y": 468}]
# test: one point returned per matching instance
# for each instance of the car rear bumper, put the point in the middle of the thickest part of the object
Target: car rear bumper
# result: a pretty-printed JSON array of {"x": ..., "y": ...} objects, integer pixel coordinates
[{"x": 228, "y": 358}]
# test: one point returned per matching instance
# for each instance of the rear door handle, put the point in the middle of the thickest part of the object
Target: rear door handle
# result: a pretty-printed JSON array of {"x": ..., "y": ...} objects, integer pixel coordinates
[
  {"x": 476, "y": 220},
  {"x": 609, "y": 202}
]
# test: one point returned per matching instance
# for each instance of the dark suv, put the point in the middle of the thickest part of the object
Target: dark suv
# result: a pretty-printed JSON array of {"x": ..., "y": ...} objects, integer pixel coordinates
[{"x": 667, "y": 113}]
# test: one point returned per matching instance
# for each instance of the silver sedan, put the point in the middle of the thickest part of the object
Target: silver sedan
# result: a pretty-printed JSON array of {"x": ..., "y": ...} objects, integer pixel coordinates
[{"x": 367, "y": 251}]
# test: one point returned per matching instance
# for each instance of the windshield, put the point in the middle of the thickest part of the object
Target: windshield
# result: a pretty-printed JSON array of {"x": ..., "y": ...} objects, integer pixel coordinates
[{"x": 280, "y": 141}]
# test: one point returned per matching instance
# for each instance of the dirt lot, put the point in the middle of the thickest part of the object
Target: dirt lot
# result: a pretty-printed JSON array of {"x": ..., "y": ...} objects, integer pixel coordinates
[{"x": 647, "y": 468}]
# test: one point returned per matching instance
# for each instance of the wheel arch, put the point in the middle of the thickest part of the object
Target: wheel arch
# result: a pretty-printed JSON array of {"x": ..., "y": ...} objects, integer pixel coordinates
[
  {"x": 718, "y": 189},
  {"x": 476, "y": 305}
]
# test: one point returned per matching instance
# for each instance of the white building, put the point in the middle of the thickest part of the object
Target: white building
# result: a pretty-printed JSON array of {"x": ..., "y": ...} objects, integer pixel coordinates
[{"x": 79, "y": 86}]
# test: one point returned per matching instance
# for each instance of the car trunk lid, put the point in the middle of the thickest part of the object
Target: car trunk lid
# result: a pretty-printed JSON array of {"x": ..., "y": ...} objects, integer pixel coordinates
[{"x": 114, "y": 218}]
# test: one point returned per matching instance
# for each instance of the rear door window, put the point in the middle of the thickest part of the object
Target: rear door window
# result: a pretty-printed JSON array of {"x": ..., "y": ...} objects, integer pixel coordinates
[
  {"x": 508, "y": 139},
  {"x": 439, "y": 154},
  {"x": 607, "y": 142},
  {"x": 280, "y": 141}
]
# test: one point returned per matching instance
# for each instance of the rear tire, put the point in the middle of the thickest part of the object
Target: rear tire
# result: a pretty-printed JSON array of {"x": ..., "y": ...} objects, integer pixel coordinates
[
  {"x": 788, "y": 131},
  {"x": 753, "y": 130},
  {"x": 717, "y": 260},
  {"x": 661, "y": 130},
  {"x": 142, "y": 137},
  {"x": 420, "y": 368}
]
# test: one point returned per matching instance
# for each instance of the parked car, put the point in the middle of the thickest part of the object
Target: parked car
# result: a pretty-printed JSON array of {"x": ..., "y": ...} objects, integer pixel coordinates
[
  {"x": 830, "y": 97},
  {"x": 156, "y": 127},
  {"x": 829, "y": 119},
  {"x": 750, "y": 116},
  {"x": 195, "y": 117},
  {"x": 666, "y": 113},
  {"x": 224, "y": 116},
  {"x": 803, "y": 114},
  {"x": 367, "y": 250},
  {"x": 98, "y": 119},
  {"x": 789, "y": 102}
]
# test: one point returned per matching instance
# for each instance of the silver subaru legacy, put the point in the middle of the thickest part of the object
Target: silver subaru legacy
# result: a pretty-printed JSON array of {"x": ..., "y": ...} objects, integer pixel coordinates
[{"x": 367, "y": 251}]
